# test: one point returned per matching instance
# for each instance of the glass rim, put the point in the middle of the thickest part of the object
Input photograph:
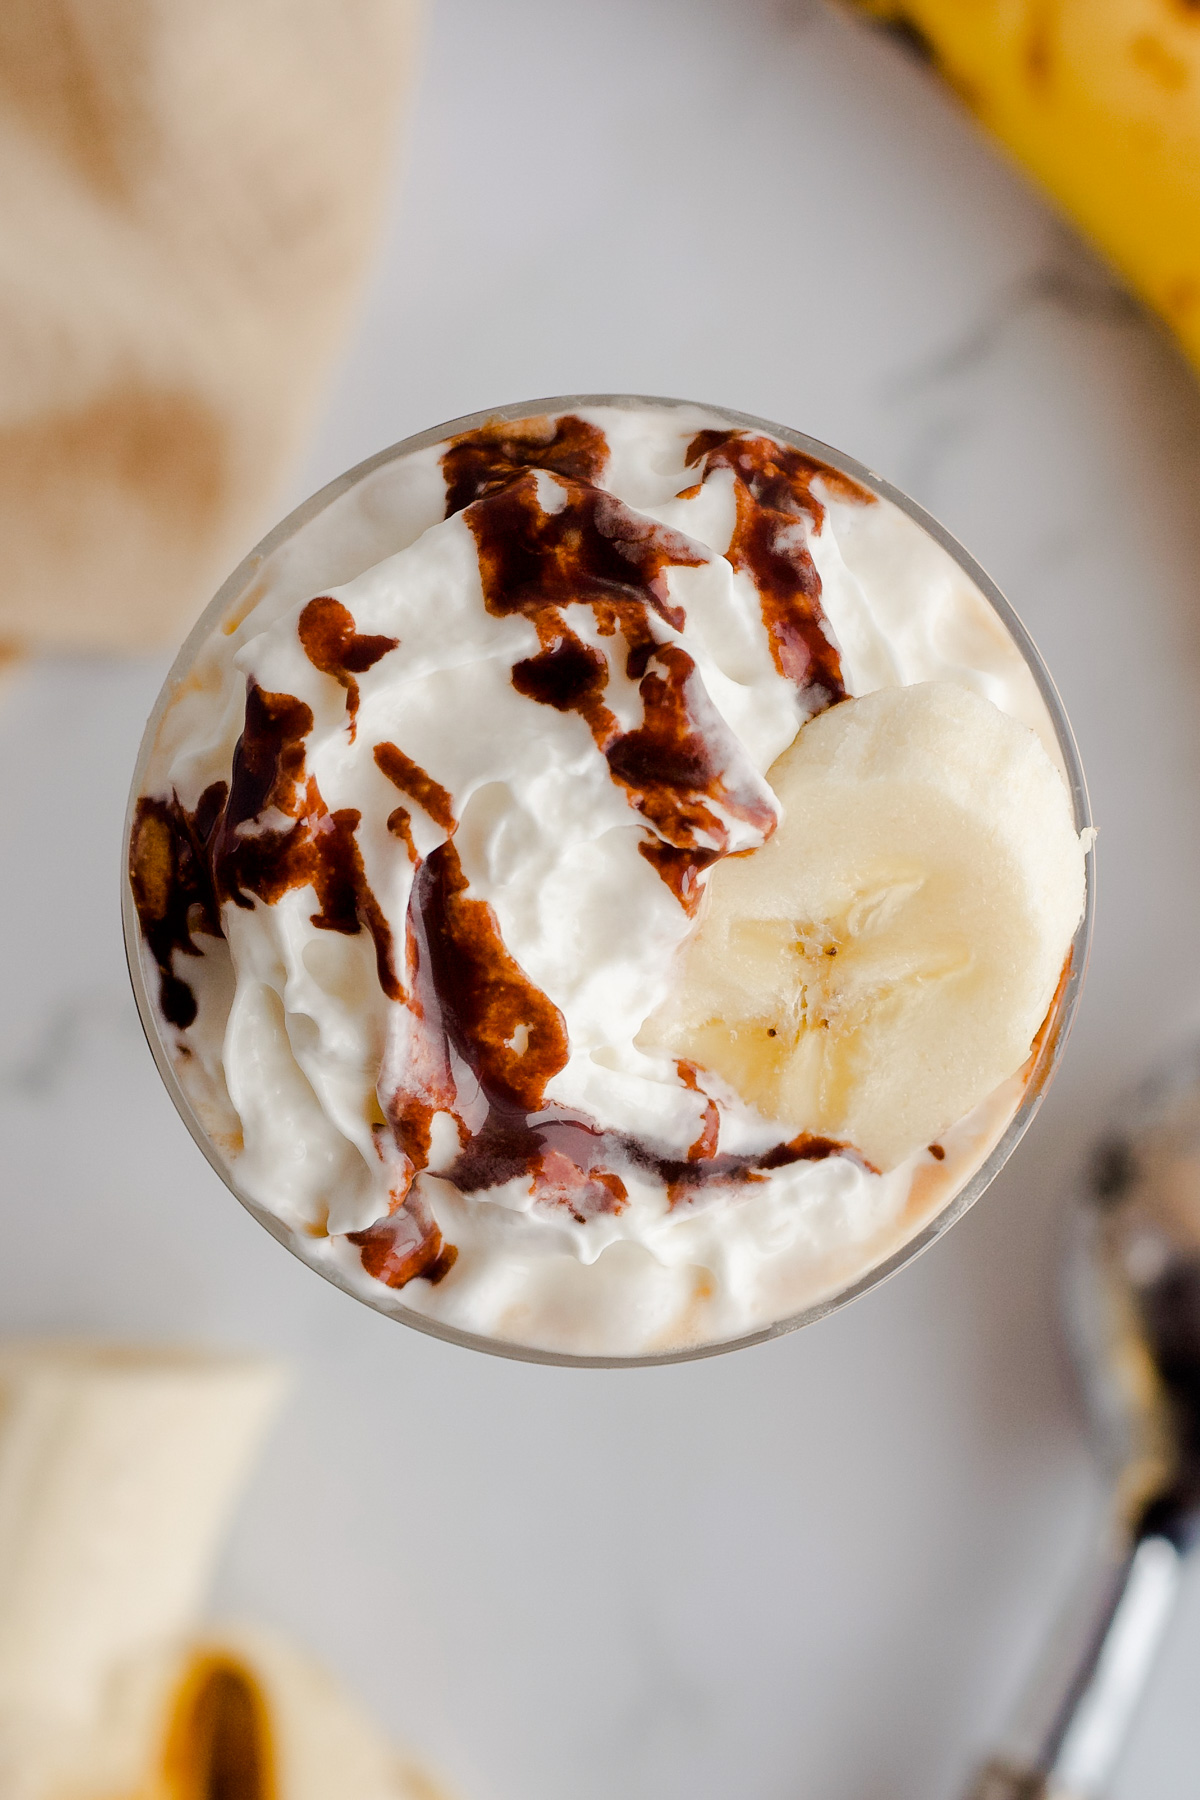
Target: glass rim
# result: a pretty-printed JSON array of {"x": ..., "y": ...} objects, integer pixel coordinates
[{"x": 1056, "y": 1029}]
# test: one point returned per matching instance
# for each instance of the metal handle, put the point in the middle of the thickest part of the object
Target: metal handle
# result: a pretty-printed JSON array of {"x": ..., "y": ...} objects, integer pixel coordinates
[{"x": 1069, "y": 1733}]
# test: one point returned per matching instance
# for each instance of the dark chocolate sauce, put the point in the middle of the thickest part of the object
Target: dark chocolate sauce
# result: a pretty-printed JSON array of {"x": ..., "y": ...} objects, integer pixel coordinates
[
  {"x": 172, "y": 888},
  {"x": 417, "y": 1080},
  {"x": 399, "y": 823},
  {"x": 685, "y": 1181},
  {"x": 681, "y": 760},
  {"x": 569, "y": 1161},
  {"x": 398, "y": 1249},
  {"x": 566, "y": 674},
  {"x": 680, "y": 869},
  {"x": 332, "y": 645},
  {"x": 567, "y": 1158},
  {"x": 481, "y": 461},
  {"x": 512, "y": 1037},
  {"x": 412, "y": 780},
  {"x": 591, "y": 548},
  {"x": 268, "y": 759},
  {"x": 780, "y": 476},
  {"x": 774, "y": 498},
  {"x": 563, "y": 1158},
  {"x": 679, "y": 767},
  {"x": 183, "y": 865},
  {"x": 706, "y": 1144},
  {"x": 318, "y": 848},
  {"x": 469, "y": 996}
]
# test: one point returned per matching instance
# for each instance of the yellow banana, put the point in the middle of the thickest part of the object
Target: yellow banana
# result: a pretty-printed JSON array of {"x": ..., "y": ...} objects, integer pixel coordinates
[{"x": 1100, "y": 100}]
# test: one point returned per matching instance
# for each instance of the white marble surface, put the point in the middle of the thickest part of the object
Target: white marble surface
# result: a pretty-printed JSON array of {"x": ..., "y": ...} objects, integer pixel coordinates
[{"x": 816, "y": 1568}]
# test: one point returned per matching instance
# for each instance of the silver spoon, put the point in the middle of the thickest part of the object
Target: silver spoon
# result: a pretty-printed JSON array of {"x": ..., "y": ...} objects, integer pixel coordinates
[{"x": 1133, "y": 1308}]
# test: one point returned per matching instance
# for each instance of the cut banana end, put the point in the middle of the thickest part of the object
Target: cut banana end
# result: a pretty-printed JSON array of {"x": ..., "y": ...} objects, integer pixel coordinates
[
  {"x": 885, "y": 961},
  {"x": 238, "y": 1715}
]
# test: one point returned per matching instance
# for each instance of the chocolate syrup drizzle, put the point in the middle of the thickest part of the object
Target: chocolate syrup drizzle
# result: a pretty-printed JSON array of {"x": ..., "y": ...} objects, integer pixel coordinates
[
  {"x": 481, "y": 461},
  {"x": 679, "y": 768},
  {"x": 333, "y": 645},
  {"x": 775, "y": 507},
  {"x": 413, "y": 781},
  {"x": 478, "y": 1012},
  {"x": 473, "y": 1038},
  {"x": 172, "y": 888},
  {"x": 405, "y": 1245},
  {"x": 318, "y": 849}
]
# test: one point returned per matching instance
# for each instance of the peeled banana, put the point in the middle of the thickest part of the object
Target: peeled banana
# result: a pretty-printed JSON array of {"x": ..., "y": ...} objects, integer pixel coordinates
[
  {"x": 241, "y": 1715},
  {"x": 1100, "y": 100},
  {"x": 885, "y": 961},
  {"x": 118, "y": 1471}
]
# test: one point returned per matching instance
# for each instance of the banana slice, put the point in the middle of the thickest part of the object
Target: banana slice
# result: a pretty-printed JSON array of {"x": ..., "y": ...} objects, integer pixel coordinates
[{"x": 884, "y": 962}]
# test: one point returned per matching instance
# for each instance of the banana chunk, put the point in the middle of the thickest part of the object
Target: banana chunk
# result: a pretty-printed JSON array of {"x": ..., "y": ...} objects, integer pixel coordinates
[{"x": 885, "y": 961}]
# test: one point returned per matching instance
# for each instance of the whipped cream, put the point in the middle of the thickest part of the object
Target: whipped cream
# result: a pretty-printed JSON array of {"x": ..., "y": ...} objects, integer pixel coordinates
[{"x": 427, "y": 818}]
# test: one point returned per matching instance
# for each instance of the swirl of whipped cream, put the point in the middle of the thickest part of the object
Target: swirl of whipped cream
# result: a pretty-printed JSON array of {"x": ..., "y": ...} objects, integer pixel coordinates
[{"x": 428, "y": 820}]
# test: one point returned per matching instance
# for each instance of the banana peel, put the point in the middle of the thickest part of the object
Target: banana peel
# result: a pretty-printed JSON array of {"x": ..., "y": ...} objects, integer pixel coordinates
[{"x": 1100, "y": 101}]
